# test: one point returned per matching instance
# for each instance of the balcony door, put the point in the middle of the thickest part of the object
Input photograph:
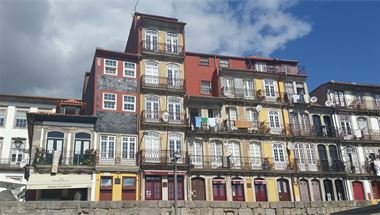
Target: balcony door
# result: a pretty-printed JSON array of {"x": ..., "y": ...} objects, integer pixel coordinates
[
  {"x": 324, "y": 163},
  {"x": 274, "y": 122},
  {"x": 352, "y": 160},
  {"x": 234, "y": 153},
  {"x": 175, "y": 146},
  {"x": 248, "y": 88},
  {"x": 174, "y": 107},
  {"x": 152, "y": 108},
  {"x": 228, "y": 87},
  {"x": 152, "y": 147},
  {"x": 82, "y": 144},
  {"x": 317, "y": 125},
  {"x": 255, "y": 155},
  {"x": 54, "y": 143},
  {"x": 174, "y": 76},
  {"x": 283, "y": 190},
  {"x": 196, "y": 153},
  {"x": 294, "y": 123},
  {"x": 216, "y": 153},
  {"x": 279, "y": 156},
  {"x": 363, "y": 126},
  {"x": 151, "y": 73},
  {"x": 172, "y": 43},
  {"x": 151, "y": 40}
]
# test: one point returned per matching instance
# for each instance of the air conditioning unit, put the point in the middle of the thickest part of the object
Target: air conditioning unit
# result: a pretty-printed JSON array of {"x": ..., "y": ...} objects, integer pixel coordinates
[{"x": 296, "y": 98}]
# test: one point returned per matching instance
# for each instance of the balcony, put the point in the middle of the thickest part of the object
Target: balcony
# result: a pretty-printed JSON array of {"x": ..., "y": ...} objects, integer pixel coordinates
[
  {"x": 320, "y": 166},
  {"x": 364, "y": 105},
  {"x": 360, "y": 134},
  {"x": 162, "y": 48},
  {"x": 7, "y": 163},
  {"x": 358, "y": 168},
  {"x": 127, "y": 160},
  {"x": 252, "y": 94},
  {"x": 163, "y": 83},
  {"x": 163, "y": 118},
  {"x": 311, "y": 131},
  {"x": 161, "y": 157},
  {"x": 70, "y": 159}
]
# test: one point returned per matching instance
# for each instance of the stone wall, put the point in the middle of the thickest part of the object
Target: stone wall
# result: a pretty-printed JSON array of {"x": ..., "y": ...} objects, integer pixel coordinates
[{"x": 184, "y": 207}]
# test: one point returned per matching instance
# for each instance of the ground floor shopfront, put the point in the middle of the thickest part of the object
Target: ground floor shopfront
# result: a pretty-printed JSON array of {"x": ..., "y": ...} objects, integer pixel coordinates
[
  {"x": 59, "y": 187},
  {"x": 117, "y": 186}
]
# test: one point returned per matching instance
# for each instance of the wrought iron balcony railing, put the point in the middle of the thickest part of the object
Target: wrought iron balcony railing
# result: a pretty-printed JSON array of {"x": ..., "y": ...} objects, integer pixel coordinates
[
  {"x": 161, "y": 82},
  {"x": 72, "y": 158},
  {"x": 162, "y": 48},
  {"x": 161, "y": 157},
  {"x": 161, "y": 117},
  {"x": 311, "y": 131},
  {"x": 359, "y": 134}
]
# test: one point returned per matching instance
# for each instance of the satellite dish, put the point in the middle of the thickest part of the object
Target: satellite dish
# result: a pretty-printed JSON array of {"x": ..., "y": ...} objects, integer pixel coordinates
[
  {"x": 165, "y": 116},
  {"x": 328, "y": 103},
  {"x": 313, "y": 99},
  {"x": 23, "y": 163},
  {"x": 258, "y": 108}
]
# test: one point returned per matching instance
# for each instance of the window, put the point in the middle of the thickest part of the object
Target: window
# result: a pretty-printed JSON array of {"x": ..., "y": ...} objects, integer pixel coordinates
[
  {"x": 196, "y": 152},
  {"x": 174, "y": 107},
  {"x": 338, "y": 98},
  {"x": 234, "y": 150},
  {"x": 107, "y": 147},
  {"x": 2, "y": 118},
  {"x": 310, "y": 153},
  {"x": 174, "y": 76},
  {"x": 248, "y": 88},
  {"x": 359, "y": 99},
  {"x": 269, "y": 88},
  {"x": 205, "y": 87},
  {"x": 274, "y": 122},
  {"x": 17, "y": 154},
  {"x": 151, "y": 73},
  {"x": 216, "y": 153},
  {"x": 129, "y": 103},
  {"x": 232, "y": 113},
  {"x": 152, "y": 147},
  {"x": 345, "y": 125},
  {"x": 224, "y": 63},
  {"x": 228, "y": 87},
  {"x": 152, "y": 108},
  {"x": 21, "y": 119},
  {"x": 377, "y": 99},
  {"x": 305, "y": 122},
  {"x": 54, "y": 143},
  {"x": 298, "y": 153},
  {"x": 128, "y": 148},
  {"x": 175, "y": 145},
  {"x": 289, "y": 88},
  {"x": 82, "y": 144},
  {"x": 109, "y": 101},
  {"x": 151, "y": 40},
  {"x": 110, "y": 67},
  {"x": 203, "y": 61},
  {"x": 105, "y": 182},
  {"x": 300, "y": 88},
  {"x": 261, "y": 67},
  {"x": 278, "y": 152},
  {"x": 172, "y": 43},
  {"x": 129, "y": 69}
]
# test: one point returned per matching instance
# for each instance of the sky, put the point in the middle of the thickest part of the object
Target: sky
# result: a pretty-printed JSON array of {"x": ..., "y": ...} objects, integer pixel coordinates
[{"x": 46, "y": 46}]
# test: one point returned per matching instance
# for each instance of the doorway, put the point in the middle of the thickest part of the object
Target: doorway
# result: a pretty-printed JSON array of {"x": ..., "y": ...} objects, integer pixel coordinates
[
  {"x": 316, "y": 190},
  {"x": 358, "y": 190},
  {"x": 304, "y": 190},
  {"x": 283, "y": 189},
  {"x": 198, "y": 189},
  {"x": 260, "y": 190}
]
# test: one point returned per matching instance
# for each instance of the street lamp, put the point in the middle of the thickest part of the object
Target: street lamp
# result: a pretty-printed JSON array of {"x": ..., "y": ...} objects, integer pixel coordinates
[{"x": 176, "y": 157}]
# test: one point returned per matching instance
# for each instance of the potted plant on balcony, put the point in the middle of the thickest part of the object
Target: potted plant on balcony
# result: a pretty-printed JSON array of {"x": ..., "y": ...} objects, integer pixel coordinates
[{"x": 89, "y": 157}]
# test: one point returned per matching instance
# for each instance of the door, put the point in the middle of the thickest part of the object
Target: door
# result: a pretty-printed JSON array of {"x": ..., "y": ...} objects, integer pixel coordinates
[
  {"x": 151, "y": 40},
  {"x": 316, "y": 190},
  {"x": 54, "y": 143},
  {"x": 105, "y": 188},
  {"x": 234, "y": 153},
  {"x": 129, "y": 188},
  {"x": 152, "y": 108},
  {"x": 216, "y": 154},
  {"x": 340, "y": 194},
  {"x": 317, "y": 125},
  {"x": 198, "y": 189},
  {"x": 152, "y": 147},
  {"x": 376, "y": 189},
  {"x": 363, "y": 127},
  {"x": 180, "y": 190},
  {"x": 358, "y": 190},
  {"x": 283, "y": 190},
  {"x": 237, "y": 189},
  {"x": 174, "y": 107},
  {"x": 151, "y": 73},
  {"x": 153, "y": 188},
  {"x": 172, "y": 43},
  {"x": 324, "y": 163},
  {"x": 219, "y": 189},
  {"x": 82, "y": 144},
  {"x": 174, "y": 78},
  {"x": 261, "y": 190},
  {"x": 329, "y": 191},
  {"x": 304, "y": 190},
  {"x": 328, "y": 126}
]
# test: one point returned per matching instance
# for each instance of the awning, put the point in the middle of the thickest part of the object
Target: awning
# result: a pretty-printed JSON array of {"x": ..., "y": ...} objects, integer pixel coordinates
[
  {"x": 163, "y": 172},
  {"x": 237, "y": 181},
  {"x": 69, "y": 181},
  {"x": 260, "y": 181},
  {"x": 218, "y": 181}
]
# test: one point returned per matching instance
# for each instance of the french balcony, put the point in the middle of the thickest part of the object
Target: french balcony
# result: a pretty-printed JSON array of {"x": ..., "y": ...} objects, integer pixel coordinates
[
  {"x": 161, "y": 157},
  {"x": 72, "y": 158},
  {"x": 109, "y": 160},
  {"x": 163, "y": 117},
  {"x": 359, "y": 134},
  {"x": 320, "y": 165},
  {"x": 252, "y": 94},
  {"x": 311, "y": 131},
  {"x": 163, "y": 83},
  {"x": 161, "y": 48}
]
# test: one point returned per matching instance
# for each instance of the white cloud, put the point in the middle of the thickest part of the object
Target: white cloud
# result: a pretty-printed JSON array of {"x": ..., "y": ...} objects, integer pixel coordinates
[{"x": 69, "y": 31}]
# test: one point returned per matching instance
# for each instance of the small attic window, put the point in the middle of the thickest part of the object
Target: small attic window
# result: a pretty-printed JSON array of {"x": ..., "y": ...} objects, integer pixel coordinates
[{"x": 72, "y": 110}]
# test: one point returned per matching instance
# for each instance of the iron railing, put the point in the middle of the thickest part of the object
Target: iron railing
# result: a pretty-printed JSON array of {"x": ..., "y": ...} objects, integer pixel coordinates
[
  {"x": 72, "y": 158},
  {"x": 162, "y": 48},
  {"x": 311, "y": 131},
  {"x": 359, "y": 134},
  {"x": 161, "y": 117},
  {"x": 161, "y": 82},
  {"x": 161, "y": 157}
]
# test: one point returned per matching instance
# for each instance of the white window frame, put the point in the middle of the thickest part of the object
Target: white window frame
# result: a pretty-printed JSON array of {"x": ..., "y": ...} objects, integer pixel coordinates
[
  {"x": 203, "y": 87},
  {"x": 128, "y": 141},
  {"x": 130, "y": 103},
  {"x": 107, "y": 148},
  {"x": 105, "y": 66},
  {"x": 104, "y": 100},
  {"x": 270, "y": 84},
  {"x": 279, "y": 153},
  {"x": 16, "y": 117},
  {"x": 126, "y": 69},
  {"x": 273, "y": 114},
  {"x": 3, "y": 114},
  {"x": 224, "y": 63}
]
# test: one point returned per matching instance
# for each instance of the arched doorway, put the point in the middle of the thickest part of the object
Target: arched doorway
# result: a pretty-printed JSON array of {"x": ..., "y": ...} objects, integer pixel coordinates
[
  {"x": 219, "y": 189},
  {"x": 329, "y": 190},
  {"x": 324, "y": 163},
  {"x": 237, "y": 185},
  {"x": 376, "y": 189},
  {"x": 358, "y": 190},
  {"x": 198, "y": 189},
  {"x": 304, "y": 190},
  {"x": 315, "y": 186},
  {"x": 261, "y": 190},
  {"x": 283, "y": 189},
  {"x": 340, "y": 194}
]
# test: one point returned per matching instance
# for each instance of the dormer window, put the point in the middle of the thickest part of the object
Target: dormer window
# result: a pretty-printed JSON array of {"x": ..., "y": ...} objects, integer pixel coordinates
[
  {"x": 261, "y": 67},
  {"x": 71, "y": 110}
]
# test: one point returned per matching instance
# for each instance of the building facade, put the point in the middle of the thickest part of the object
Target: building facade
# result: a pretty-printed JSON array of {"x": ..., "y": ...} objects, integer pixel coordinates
[{"x": 13, "y": 126}]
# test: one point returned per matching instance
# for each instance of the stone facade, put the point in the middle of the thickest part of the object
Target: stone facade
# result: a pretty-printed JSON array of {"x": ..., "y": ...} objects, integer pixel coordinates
[
  {"x": 184, "y": 207},
  {"x": 115, "y": 83},
  {"x": 116, "y": 122}
]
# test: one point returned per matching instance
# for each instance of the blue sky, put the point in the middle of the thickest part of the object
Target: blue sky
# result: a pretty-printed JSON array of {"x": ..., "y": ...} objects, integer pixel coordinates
[{"x": 344, "y": 44}]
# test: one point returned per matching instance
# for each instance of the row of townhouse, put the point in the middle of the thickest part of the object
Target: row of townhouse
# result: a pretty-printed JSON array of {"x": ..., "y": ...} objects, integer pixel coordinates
[{"x": 246, "y": 129}]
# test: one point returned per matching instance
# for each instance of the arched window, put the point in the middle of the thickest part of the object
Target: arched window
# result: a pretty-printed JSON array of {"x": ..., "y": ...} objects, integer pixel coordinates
[
  {"x": 151, "y": 73},
  {"x": 151, "y": 40},
  {"x": 278, "y": 152},
  {"x": 172, "y": 43},
  {"x": 234, "y": 153},
  {"x": 310, "y": 153},
  {"x": 174, "y": 76},
  {"x": 175, "y": 144},
  {"x": 269, "y": 88},
  {"x": 274, "y": 122},
  {"x": 54, "y": 143},
  {"x": 174, "y": 108},
  {"x": 82, "y": 144},
  {"x": 345, "y": 124},
  {"x": 152, "y": 108},
  {"x": 216, "y": 153}
]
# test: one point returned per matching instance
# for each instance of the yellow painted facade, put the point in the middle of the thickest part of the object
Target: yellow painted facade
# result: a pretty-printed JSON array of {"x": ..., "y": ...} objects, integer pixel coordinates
[
  {"x": 162, "y": 36},
  {"x": 116, "y": 188}
]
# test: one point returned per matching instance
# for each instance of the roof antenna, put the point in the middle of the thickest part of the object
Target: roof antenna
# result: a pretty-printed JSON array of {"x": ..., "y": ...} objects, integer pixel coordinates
[{"x": 137, "y": 2}]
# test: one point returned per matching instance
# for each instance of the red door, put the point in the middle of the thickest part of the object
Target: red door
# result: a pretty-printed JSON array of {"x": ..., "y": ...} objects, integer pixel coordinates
[
  {"x": 376, "y": 189},
  {"x": 261, "y": 190},
  {"x": 129, "y": 188},
  {"x": 283, "y": 190},
  {"x": 219, "y": 189},
  {"x": 237, "y": 190},
  {"x": 180, "y": 194},
  {"x": 153, "y": 188},
  {"x": 358, "y": 190},
  {"x": 105, "y": 189},
  {"x": 198, "y": 188}
]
